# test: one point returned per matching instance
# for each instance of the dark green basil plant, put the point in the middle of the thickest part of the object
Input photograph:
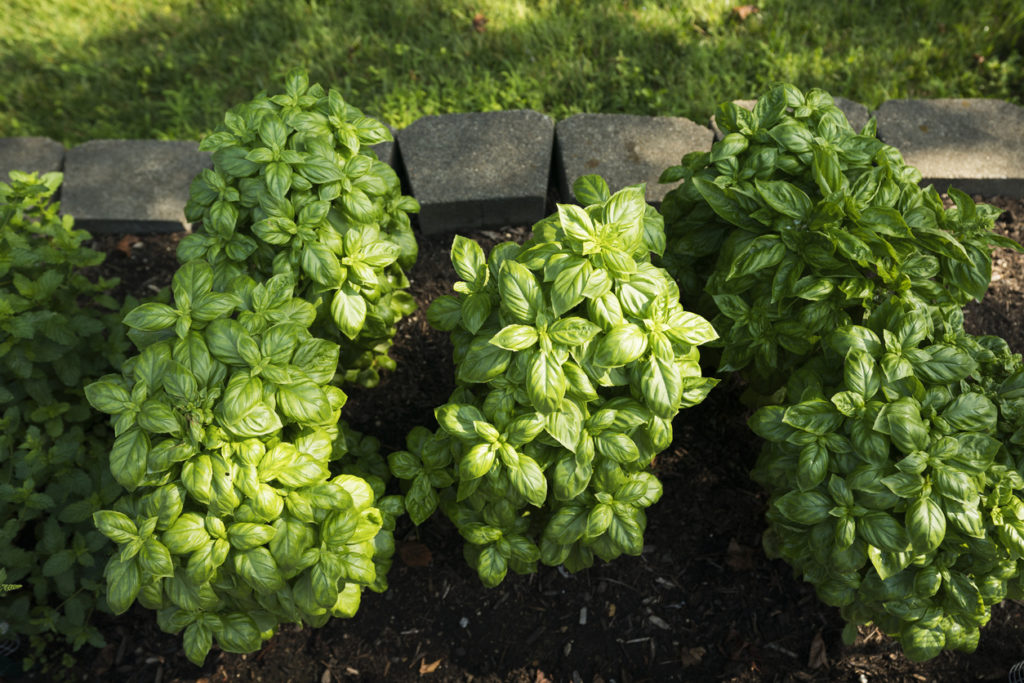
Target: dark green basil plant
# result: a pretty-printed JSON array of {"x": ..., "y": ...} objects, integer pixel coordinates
[
  {"x": 296, "y": 188},
  {"x": 895, "y": 487},
  {"x": 794, "y": 225},
  {"x": 239, "y": 516},
  {"x": 572, "y": 354},
  {"x": 838, "y": 284},
  {"x": 58, "y": 330}
]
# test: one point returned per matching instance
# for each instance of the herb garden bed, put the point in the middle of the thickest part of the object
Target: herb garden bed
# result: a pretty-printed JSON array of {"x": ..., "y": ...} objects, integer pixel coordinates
[{"x": 702, "y": 602}]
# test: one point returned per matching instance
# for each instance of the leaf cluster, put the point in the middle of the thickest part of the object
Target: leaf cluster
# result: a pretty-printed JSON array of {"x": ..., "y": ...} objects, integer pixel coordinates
[
  {"x": 794, "y": 225},
  {"x": 572, "y": 354},
  {"x": 838, "y": 285},
  {"x": 239, "y": 516},
  {"x": 58, "y": 330},
  {"x": 296, "y": 188},
  {"x": 894, "y": 476}
]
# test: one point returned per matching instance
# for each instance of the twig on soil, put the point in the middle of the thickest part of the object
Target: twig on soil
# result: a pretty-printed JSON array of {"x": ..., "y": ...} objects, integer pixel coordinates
[{"x": 779, "y": 648}]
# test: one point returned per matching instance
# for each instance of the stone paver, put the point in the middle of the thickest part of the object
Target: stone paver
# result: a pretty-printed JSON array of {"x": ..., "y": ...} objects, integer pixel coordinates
[
  {"x": 624, "y": 149},
  {"x": 131, "y": 186},
  {"x": 976, "y": 145},
  {"x": 28, "y": 154},
  {"x": 479, "y": 170},
  {"x": 856, "y": 113}
]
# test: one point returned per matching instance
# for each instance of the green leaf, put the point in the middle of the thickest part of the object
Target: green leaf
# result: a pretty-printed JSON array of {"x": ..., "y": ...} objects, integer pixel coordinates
[
  {"x": 458, "y": 419},
  {"x": 758, "y": 254},
  {"x": 469, "y": 262},
  {"x": 124, "y": 580},
  {"x": 491, "y": 566},
  {"x": 483, "y": 361},
  {"x": 528, "y": 480},
  {"x": 115, "y": 525},
  {"x": 187, "y": 534},
  {"x": 238, "y": 633},
  {"x": 444, "y": 313},
  {"x": 546, "y": 382},
  {"x": 279, "y": 178},
  {"x": 662, "y": 387},
  {"x": 197, "y": 640},
  {"x": 151, "y": 317},
  {"x": 926, "y": 525},
  {"x": 520, "y": 293},
  {"x": 621, "y": 345},
  {"x": 575, "y": 222},
  {"x": 921, "y": 644},
  {"x": 573, "y": 331},
  {"x": 883, "y": 531},
  {"x": 590, "y": 189},
  {"x": 349, "y": 312},
  {"x": 804, "y": 507},
  {"x": 971, "y": 412},
  {"x": 784, "y": 197},
  {"x": 247, "y": 535},
  {"x": 321, "y": 264},
  {"x": 617, "y": 446},
  {"x": 108, "y": 397},
  {"x": 304, "y": 402},
  {"x": 477, "y": 461},
  {"x": 515, "y": 337},
  {"x": 476, "y": 308},
  {"x": 816, "y": 416},
  {"x": 258, "y": 569},
  {"x": 155, "y": 559},
  {"x": 128, "y": 458}
]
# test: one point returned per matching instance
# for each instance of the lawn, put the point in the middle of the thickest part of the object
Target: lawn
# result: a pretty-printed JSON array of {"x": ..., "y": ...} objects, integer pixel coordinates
[{"x": 76, "y": 71}]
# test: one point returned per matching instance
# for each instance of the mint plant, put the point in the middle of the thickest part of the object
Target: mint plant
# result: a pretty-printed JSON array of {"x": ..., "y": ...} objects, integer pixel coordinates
[
  {"x": 58, "y": 330},
  {"x": 573, "y": 354},
  {"x": 239, "y": 516},
  {"x": 794, "y": 225},
  {"x": 894, "y": 478},
  {"x": 295, "y": 188}
]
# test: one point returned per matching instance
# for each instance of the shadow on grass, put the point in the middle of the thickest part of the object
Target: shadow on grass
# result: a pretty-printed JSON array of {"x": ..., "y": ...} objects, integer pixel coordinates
[{"x": 173, "y": 75}]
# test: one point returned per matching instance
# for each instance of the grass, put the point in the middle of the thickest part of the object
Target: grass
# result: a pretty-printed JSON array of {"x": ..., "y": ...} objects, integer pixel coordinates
[{"x": 78, "y": 70}]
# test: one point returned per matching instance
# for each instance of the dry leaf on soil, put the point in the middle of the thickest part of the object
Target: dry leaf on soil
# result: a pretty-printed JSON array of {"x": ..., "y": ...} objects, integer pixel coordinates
[
  {"x": 429, "y": 668},
  {"x": 124, "y": 245},
  {"x": 415, "y": 554},
  {"x": 819, "y": 657},
  {"x": 739, "y": 557},
  {"x": 692, "y": 656}
]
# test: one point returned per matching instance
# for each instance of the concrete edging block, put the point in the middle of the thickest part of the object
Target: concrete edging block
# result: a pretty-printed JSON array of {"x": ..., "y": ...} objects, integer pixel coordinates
[
  {"x": 624, "y": 149},
  {"x": 131, "y": 186},
  {"x": 975, "y": 145},
  {"x": 478, "y": 170},
  {"x": 38, "y": 154}
]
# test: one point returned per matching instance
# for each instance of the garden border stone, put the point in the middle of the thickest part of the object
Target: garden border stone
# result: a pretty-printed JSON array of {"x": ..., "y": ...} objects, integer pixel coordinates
[
  {"x": 492, "y": 169},
  {"x": 38, "y": 154},
  {"x": 478, "y": 170},
  {"x": 131, "y": 186},
  {"x": 976, "y": 145},
  {"x": 624, "y": 149}
]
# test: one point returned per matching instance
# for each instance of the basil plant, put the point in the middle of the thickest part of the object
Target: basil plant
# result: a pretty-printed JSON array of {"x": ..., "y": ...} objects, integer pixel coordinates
[
  {"x": 58, "y": 330},
  {"x": 894, "y": 474},
  {"x": 572, "y": 354},
  {"x": 794, "y": 225},
  {"x": 239, "y": 514},
  {"x": 296, "y": 188}
]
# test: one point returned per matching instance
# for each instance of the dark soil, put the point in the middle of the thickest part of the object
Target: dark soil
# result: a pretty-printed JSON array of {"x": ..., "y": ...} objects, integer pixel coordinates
[{"x": 702, "y": 603}]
